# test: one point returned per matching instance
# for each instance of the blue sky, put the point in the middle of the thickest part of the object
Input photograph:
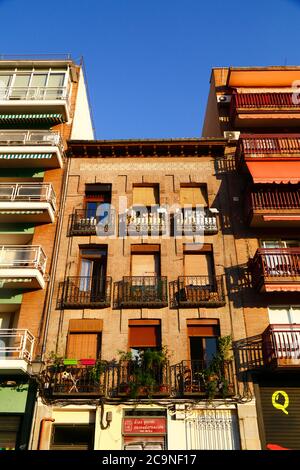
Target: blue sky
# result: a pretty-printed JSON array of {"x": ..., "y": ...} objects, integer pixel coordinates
[{"x": 148, "y": 62}]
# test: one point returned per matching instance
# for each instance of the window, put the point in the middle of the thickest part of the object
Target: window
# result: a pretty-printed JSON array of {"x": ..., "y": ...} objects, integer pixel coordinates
[
  {"x": 145, "y": 195},
  {"x": 203, "y": 339},
  {"x": 97, "y": 195},
  {"x": 284, "y": 315},
  {"x": 72, "y": 437},
  {"x": 144, "y": 334},
  {"x": 193, "y": 195},
  {"x": 9, "y": 430},
  {"x": 280, "y": 243},
  {"x": 199, "y": 266},
  {"x": 84, "y": 339},
  {"x": 145, "y": 260},
  {"x": 285, "y": 331},
  {"x": 93, "y": 270}
]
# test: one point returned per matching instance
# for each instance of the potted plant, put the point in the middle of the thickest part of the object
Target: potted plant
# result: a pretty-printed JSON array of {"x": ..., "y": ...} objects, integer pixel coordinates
[{"x": 214, "y": 377}]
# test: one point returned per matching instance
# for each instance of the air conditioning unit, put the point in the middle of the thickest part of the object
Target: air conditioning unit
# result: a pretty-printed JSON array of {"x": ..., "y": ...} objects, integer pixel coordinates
[
  {"x": 223, "y": 99},
  {"x": 232, "y": 135}
]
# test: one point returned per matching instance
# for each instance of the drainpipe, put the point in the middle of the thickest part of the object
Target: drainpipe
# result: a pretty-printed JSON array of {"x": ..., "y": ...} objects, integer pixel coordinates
[
  {"x": 55, "y": 254},
  {"x": 42, "y": 428}
]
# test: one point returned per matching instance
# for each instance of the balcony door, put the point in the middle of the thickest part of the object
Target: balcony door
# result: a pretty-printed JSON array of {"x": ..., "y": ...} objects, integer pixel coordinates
[
  {"x": 5, "y": 320},
  {"x": 93, "y": 273},
  {"x": 286, "y": 331},
  {"x": 198, "y": 269}
]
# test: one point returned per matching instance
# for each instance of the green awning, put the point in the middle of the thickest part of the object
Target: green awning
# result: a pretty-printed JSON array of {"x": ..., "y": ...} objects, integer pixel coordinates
[
  {"x": 10, "y": 119},
  {"x": 27, "y": 156}
]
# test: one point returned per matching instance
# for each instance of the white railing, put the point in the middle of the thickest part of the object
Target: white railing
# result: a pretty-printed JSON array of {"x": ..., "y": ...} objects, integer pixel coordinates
[
  {"x": 16, "y": 344},
  {"x": 20, "y": 257},
  {"x": 146, "y": 219},
  {"x": 36, "y": 192},
  {"x": 195, "y": 221},
  {"x": 42, "y": 93},
  {"x": 22, "y": 137}
]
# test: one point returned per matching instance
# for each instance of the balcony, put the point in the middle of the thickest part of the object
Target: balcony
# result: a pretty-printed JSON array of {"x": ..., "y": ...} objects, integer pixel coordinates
[
  {"x": 270, "y": 146},
  {"x": 265, "y": 109},
  {"x": 195, "y": 378},
  {"x": 276, "y": 269},
  {"x": 133, "y": 380},
  {"x": 39, "y": 149},
  {"x": 281, "y": 346},
  {"x": 273, "y": 206},
  {"x": 142, "y": 291},
  {"x": 16, "y": 351},
  {"x": 195, "y": 222},
  {"x": 75, "y": 379},
  {"x": 198, "y": 291},
  {"x": 83, "y": 222},
  {"x": 85, "y": 292},
  {"x": 35, "y": 99},
  {"x": 139, "y": 223},
  {"x": 22, "y": 267},
  {"x": 27, "y": 202}
]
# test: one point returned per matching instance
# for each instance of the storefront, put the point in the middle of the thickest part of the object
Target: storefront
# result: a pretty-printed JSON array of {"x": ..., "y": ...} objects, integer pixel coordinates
[
  {"x": 144, "y": 430},
  {"x": 278, "y": 402}
]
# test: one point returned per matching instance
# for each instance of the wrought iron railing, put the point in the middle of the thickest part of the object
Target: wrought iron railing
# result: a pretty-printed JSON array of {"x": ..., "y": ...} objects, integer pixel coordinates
[
  {"x": 194, "y": 291},
  {"x": 274, "y": 264},
  {"x": 193, "y": 222},
  {"x": 20, "y": 257},
  {"x": 132, "y": 380},
  {"x": 281, "y": 343},
  {"x": 87, "y": 222},
  {"x": 74, "y": 380},
  {"x": 16, "y": 344},
  {"x": 249, "y": 353},
  {"x": 195, "y": 377},
  {"x": 142, "y": 291},
  {"x": 84, "y": 291},
  {"x": 28, "y": 192}
]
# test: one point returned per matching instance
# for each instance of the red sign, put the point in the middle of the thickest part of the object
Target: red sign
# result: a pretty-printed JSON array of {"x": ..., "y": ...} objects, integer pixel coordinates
[{"x": 144, "y": 426}]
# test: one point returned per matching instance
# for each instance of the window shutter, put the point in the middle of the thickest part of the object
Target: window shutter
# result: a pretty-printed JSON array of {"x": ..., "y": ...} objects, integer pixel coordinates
[
  {"x": 82, "y": 346},
  {"x": 193, "y": 196},
  {"x": 144, "y": 334},
  {"x": 145, "y": 196},
  {"x": 90, "y": 325},
  {"x": 145, "y": 264},
  {"x": 198, "y": 265},
  {"x": 203, "y": 327}
]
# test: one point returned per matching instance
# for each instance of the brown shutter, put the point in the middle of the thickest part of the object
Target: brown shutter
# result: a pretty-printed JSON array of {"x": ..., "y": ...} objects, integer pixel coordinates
[
  {"x": 193, "y": 196},
  {"x": 144, "y": 334},
  {"x": 86, "y": 325},
  {"x": 199, "y": 264},
  {"x": 145, "y": 196},
  {"x": 203, "y": 327},
  {"x": 82, "y": 346}
]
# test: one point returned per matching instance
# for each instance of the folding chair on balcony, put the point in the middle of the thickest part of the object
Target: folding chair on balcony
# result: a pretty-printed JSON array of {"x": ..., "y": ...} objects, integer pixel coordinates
[{"x": 69, "y": 376}]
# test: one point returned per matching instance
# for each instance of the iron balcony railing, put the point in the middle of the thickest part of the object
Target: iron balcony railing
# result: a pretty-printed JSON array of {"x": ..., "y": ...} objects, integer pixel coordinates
[
  {"x": 31, "y": 138},
  {"x": 74, "y": 380},
  {"x": 274, "y": 264},
  {"x": 129, "y": 379},
  {"x": 146, "y": 223},
  {"x": 194, "y": 377},
  {"x": 16, "y": 344},
  {"x": 195, "y": 291},
  {"x": 266, "y": 101},
  {"x": 42, "y": 93},
  {"x": 28, "y": 192},
  {"x": 267, "y": 146},
  {"x": 21, "y": 257},
  {"x": 85, "y": 292},
  {"x": 142, "y": 291},
  {"x": 86, "y": 222},
  {"x": 192, "y": 221},
  {"x": 248, "y": 353},
  {"x": 281, "y": 345},
  {"x": 275, "y": 197}
]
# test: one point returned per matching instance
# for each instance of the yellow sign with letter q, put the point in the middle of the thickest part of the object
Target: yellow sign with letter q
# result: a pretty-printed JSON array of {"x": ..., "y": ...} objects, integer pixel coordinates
[{"x": 283, "y": 403}]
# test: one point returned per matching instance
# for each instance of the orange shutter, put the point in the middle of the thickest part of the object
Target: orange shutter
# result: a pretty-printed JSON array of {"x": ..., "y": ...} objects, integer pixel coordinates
[
  {"x": 203, "y": 327},
  {"x": 86, "y": 325},
  {"x": 82, "y": 346},
  {"x": 145, "y": 196},
  {"x": 193, "y": 196},
  {"x": 197, "y": 265},
  {"x": 144, "y": 336}
]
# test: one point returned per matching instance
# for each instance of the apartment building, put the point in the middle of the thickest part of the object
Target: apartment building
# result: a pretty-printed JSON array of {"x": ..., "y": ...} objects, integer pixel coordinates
[
  {"x": 259, "y": 109},
  {"x": 43, "y": 102},
  {"x": 139, "y": 336}
]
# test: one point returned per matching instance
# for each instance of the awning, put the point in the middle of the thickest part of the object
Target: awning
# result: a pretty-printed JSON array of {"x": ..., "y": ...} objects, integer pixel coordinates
[
  {"x": 10, "y": 119},
  {"x": 22, "y": 156},
  {"x": 274, "y": 172}
]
